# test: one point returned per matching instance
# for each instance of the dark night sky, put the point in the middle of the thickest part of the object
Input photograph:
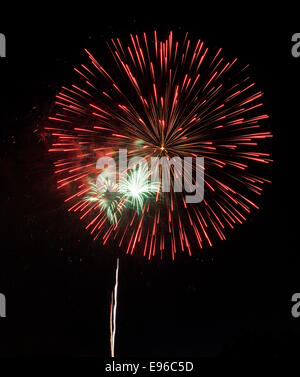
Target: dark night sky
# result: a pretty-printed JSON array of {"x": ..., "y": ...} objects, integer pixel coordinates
[{"x": 232, "y": 300}]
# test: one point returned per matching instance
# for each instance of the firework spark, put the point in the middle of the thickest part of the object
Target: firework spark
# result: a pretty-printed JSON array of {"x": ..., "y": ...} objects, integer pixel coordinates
[
  {"x": 168, "y": 98},
  {"x": 108, "y": 201},
  {"x": 137, "y": 187}
]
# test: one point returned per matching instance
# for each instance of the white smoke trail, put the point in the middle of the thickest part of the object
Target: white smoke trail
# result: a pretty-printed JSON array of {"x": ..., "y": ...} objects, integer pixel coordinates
[{"x": 113, "y": 312}]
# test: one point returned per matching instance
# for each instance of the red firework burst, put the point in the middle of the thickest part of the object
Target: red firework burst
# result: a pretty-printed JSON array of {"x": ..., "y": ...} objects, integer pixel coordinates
[{"x": 162, "y": 98}]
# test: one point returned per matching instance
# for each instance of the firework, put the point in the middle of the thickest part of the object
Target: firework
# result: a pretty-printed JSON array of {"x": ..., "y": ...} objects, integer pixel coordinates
[
  {"x": 113, "y": 312},
  {"x": 109, "y": 202},
  {"x": 136, "y": 187},
  {"x": 163, "y": 98}
]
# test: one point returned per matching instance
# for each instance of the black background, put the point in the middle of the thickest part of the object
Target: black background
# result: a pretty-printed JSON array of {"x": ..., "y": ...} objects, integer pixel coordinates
[{"x": 232, "y": 300}]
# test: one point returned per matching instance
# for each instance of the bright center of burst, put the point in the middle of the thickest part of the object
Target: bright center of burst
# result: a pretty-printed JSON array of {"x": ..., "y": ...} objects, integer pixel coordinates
[
  {"x": 162, "y": 148},
  {"x": 134, "y": 190}
]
